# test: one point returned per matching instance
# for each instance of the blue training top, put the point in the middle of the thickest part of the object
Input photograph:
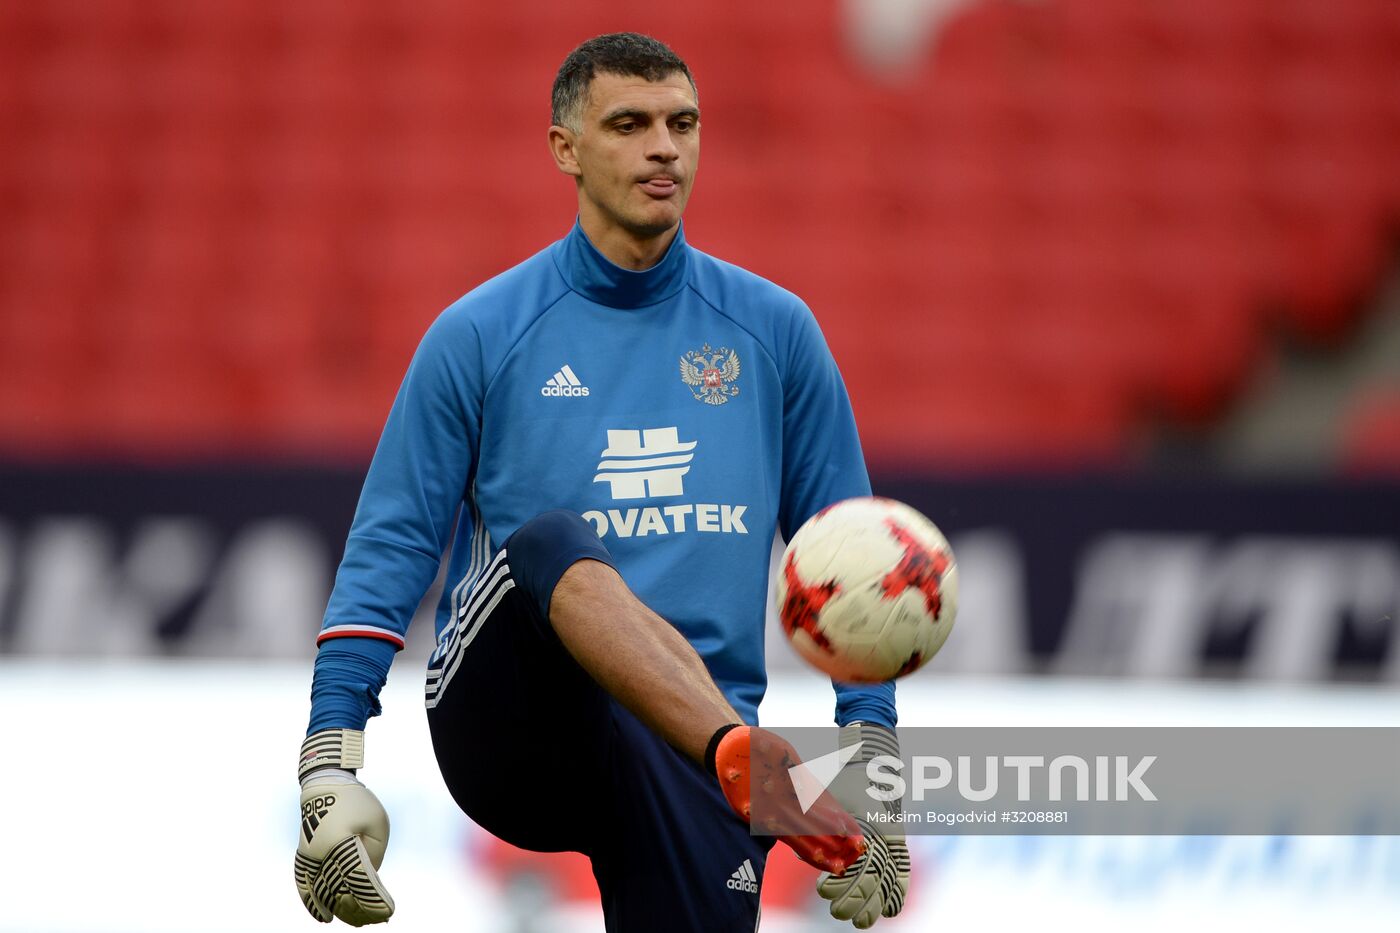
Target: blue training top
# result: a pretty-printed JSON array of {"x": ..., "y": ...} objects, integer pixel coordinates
[{"x": 688, "y": 412}]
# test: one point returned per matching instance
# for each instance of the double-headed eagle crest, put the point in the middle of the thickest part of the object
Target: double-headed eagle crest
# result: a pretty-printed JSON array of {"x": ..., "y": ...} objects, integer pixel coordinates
[{"x": 710, "y": 374}]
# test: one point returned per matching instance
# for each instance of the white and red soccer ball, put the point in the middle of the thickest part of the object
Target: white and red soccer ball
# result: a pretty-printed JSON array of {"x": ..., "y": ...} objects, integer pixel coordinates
[{"x": 867, "y": 590}]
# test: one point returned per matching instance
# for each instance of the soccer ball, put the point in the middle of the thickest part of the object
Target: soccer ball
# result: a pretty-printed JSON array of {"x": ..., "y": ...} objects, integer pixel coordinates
[{"x": 867, "y": 590}]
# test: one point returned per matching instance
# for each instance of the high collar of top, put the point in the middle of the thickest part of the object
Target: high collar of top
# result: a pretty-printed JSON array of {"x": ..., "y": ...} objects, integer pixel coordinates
[{"x": 599, "y": 279}]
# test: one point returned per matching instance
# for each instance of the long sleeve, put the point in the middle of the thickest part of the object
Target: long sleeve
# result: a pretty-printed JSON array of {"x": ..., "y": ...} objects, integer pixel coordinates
[{"x": 416, "y": 482}]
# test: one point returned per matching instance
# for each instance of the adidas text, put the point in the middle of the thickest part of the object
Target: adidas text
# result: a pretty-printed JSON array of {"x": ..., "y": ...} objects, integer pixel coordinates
[
  {"x": 318, "y": 805},
  {"x": 672, "y": 519},
  {"x": 312, "y": 812},
  {"x": 743, "y": 879},
  {"x": 564, "y": 384}
]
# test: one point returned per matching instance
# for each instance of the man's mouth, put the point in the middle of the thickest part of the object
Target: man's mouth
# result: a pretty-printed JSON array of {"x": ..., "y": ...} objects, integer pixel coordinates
[{"x": 660, "y": 187}]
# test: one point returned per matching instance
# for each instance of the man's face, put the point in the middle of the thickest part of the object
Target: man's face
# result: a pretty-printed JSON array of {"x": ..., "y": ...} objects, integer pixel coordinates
[{"x": 638, "y": 151}]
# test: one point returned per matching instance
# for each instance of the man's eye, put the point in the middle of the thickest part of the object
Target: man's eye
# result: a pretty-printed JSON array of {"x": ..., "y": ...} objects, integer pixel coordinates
[
  {"x": 683, "y": 126},
  {"x": 626, "y": 127}
]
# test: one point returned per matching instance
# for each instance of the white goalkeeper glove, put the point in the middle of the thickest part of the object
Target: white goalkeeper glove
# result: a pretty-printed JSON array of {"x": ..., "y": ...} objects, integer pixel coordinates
[
  {"x": 876, "y": 884},
  {"x": 344, "y": 831}
]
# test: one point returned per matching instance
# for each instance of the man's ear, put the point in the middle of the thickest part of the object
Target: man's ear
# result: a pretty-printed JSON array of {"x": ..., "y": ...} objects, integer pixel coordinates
[{"x": 562, "y": 141}]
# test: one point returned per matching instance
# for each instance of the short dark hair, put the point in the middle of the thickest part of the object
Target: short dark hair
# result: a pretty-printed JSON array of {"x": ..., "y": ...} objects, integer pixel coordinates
[{"x": 628, "y": 54}]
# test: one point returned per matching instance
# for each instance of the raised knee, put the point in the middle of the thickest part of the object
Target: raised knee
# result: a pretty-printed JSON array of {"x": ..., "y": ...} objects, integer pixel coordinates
[
  {"x": 545, "y": 546},
  {"x": 548, "y": 533}
]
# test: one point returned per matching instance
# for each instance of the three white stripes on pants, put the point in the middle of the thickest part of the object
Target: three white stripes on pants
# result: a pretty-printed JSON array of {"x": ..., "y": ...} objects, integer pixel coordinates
[
  {"x": 480, "y": 554},
  {"x": 494, "y": 584}
]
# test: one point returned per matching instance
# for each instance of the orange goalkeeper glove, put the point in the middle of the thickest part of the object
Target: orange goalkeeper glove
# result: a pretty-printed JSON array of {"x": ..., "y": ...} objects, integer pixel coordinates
[{"x": 750, "y": 762}]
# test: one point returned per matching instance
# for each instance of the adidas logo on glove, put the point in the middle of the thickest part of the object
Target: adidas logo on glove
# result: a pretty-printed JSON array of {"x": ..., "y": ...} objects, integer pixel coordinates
[
  {"x": 743, "y": 879},
  {"x": 313, "y": 812}
]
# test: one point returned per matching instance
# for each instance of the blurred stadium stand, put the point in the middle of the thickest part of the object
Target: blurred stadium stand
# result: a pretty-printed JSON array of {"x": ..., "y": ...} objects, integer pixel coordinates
[
  {"x": 1372, "y": 434},
  {"x": 226, "y": 224}
]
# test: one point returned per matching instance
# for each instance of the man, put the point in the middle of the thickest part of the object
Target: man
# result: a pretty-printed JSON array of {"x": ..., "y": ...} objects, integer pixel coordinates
[{"x": 617, "y": 426}]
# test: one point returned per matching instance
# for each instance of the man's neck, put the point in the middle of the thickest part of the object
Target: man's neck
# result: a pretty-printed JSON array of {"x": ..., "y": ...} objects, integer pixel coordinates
[{"x": 623, "y": 248}]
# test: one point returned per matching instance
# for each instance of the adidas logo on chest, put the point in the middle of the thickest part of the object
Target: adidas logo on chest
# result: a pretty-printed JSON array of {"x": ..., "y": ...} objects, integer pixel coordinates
[{"x": 564, "y": 384}]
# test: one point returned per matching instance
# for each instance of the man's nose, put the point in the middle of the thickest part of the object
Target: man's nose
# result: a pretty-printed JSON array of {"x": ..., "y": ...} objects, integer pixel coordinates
[{"x": 660, "y": 146}]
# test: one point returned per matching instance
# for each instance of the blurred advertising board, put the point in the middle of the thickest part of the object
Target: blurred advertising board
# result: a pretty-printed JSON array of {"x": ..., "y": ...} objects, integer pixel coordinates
[{"x": 1133, "y": 576}]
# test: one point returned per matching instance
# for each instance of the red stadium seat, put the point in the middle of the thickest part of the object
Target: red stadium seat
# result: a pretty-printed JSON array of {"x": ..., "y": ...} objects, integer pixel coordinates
[
  {"x": 227, "y": 223},
  {"x": 1370, "y": 441}
]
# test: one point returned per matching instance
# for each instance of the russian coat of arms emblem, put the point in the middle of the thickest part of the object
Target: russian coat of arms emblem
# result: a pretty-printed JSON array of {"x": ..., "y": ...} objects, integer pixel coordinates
[{"x": 710, "y": 374}]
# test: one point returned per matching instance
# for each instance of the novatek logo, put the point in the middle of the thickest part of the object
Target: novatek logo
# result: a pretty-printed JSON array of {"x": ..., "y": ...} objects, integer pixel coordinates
[
  {"x": 743, "y": 879},
  {"x": 564, "y": 383},
  {"x": 638, "y": 464},
  {"x": 649, "y": 464}
]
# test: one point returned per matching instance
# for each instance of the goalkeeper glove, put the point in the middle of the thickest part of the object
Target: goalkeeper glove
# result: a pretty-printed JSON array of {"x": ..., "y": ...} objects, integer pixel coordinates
[
  {"x": 876, "y": 884},
  {"x": 750, "y": 761},
  {"x": 344, "y": 831}
]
